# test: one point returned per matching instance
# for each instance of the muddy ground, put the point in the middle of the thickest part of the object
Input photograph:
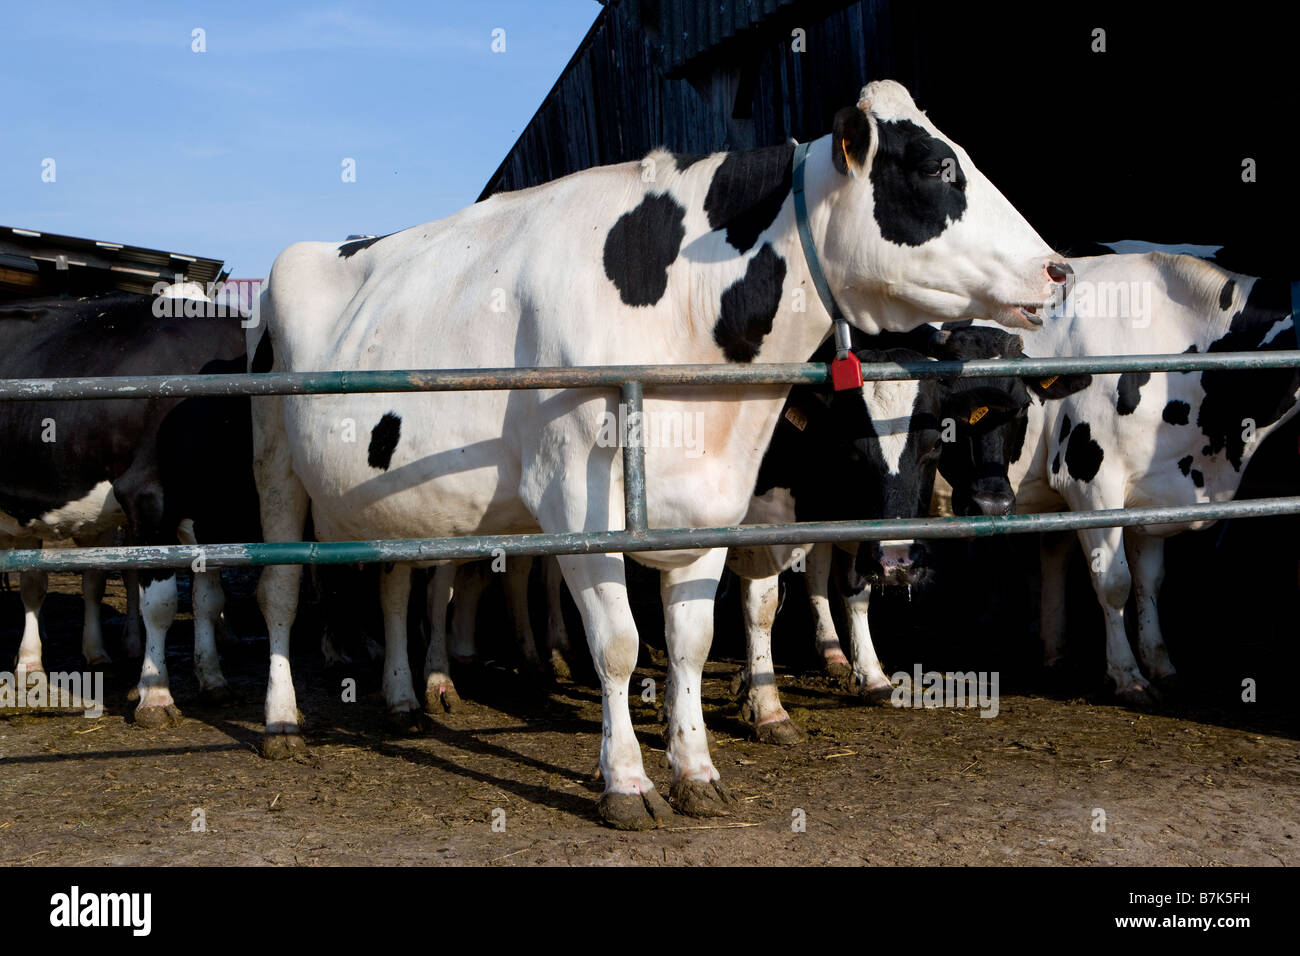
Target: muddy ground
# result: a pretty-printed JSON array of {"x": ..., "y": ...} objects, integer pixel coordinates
[{"x": 1208, "y": 781}]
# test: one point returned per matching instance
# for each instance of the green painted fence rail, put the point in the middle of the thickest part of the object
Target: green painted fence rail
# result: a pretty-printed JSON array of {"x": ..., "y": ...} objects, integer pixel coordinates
[
  {"x": 605, "y": 542},
  {"x": 608, "y": 376}
]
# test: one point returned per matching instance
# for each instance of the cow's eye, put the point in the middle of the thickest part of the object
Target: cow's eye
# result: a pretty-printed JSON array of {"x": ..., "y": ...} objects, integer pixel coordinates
[{"x": 932, "y": 168}]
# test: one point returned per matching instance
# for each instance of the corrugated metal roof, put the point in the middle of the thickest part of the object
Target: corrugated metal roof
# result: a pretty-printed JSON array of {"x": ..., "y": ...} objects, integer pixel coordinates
[{"x": 43, "y": 263}]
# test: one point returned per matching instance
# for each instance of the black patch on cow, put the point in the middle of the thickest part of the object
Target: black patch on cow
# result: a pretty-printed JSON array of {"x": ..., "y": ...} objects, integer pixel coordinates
[
  {"x": 383, "y": 441},
  {"x": 1056, "y": 463},
  {"x": 1198, "y": 479},
  {"x": 747, "y": 192},
  {"x": 264, "y": 356},
  {"x": 1083, "y": 456},
  {"x": 1176, "y": 412},
  {"x": 1130, "y": 391},
  {"x": 352, "y": 247},
  {"x": 685, "y": 161},
  {"x": 1065, "y": 429},
  {"x": 748, "y": 306},
  {"x": 914, "y": 199},
  {"x": 641, "y": 246},
  {"x": 1185, "y": 464},
  {"x": 1264, "y": 395},
  {"x": 1225, "y": 295}
]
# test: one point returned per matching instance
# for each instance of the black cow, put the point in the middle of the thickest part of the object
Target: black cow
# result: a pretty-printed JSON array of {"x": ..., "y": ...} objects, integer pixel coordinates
[{"x": 166, "y": 469}]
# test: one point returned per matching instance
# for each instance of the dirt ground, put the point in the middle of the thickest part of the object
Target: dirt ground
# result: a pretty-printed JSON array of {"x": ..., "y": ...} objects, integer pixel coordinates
[{"x": 875, "y": 785}]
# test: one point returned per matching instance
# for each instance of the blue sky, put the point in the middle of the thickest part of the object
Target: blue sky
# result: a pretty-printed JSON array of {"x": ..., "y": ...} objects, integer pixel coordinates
[{"x": 236, "y": 152}]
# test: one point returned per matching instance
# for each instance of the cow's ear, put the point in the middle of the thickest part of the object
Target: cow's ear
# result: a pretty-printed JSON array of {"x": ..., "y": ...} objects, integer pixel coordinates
[
  {"x": 850, "y": 139},
  {"x": 975, "y": 405},
  {"x": 1049, "y": 387}
]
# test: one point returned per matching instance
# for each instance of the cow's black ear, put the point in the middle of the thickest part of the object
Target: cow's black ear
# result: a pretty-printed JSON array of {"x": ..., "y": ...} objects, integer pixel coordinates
[
  {"x": 1049, "y": 387},
  {"x": 850, "y": 139}
]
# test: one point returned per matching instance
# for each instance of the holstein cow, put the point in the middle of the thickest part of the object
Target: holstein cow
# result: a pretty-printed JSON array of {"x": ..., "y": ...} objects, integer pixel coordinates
[
  {"x": 856, "y": 455},
  {"x": 1140, "y": 439},
  {"x": 167, "y": 469},
  {"x": 675, "y": 259}
]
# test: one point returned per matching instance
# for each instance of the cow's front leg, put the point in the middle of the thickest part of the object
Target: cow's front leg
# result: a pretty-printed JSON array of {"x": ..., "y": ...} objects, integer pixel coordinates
[
  {"x": 439, "y": 692},
  {"x": 828, "y": 641},
  {"x": 630, "y": 801},
  {"x": 688, "y": 593},
  {"x": 158, "y": 605},
  {"x": 1104, "y": 549},
  {"x": 32, "y": 586},
  {"x": 209, "y": 602},
  {"x": 760, "y": 702},
  {"x": 1147, "y": 561},
  {"x": 471, "y": 582},
  {"x": 868, "y": 674}
]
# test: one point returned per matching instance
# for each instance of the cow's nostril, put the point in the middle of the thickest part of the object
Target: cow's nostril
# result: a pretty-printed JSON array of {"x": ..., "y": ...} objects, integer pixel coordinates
[{"x": 1058, "y": 271}]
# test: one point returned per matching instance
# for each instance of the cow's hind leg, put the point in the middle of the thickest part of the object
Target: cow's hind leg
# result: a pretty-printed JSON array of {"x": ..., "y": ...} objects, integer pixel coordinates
[
  {"x": 868, "y": 673},
  {"x": 404, "y": 711},
  {"x": 92, "y": 632},
  {"x": 1111, "y": 580},
  {"x": 132, "y": 639},
  {"x": 439, "y": 692},
  {"x": 516, "y": 583},
  {"x": 630, "y": 801},
  {"x": 283, "y": 502},
  {"x": 557, "y": 631},
  {"x": 209, "y": 602},
  {"x": 688, "y": 593},
  {"x": 32, "y": 585},
  {"x": 1147, "y": 560},
  {"x": 760, "y": 701}
]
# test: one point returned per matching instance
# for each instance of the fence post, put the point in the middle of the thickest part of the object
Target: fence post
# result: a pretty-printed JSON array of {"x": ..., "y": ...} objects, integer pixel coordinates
[{"x": 634, "y": 506}]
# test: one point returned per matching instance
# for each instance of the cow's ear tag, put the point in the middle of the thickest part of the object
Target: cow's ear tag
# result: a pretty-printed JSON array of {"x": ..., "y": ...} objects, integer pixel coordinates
[
  {"x": 846, "y": 372},
  {"x": 796, "y": 417},
  {"x": 978, "y": 414},
  {"x": 1048, "y": 382}
]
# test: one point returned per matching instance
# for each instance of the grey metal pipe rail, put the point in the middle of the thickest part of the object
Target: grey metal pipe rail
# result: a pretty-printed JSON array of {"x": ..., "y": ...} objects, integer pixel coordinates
[
  {"x": 630, "y": 542},
  {"x": 608, "y": 376}
]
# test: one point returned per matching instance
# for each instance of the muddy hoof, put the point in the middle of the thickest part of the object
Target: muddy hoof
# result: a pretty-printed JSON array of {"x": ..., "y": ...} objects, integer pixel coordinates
[
  {"x": 838, "y": 669},
  {"x": 442, "y": 699},
  {"x": 155, "y": 717},
  {"x": 634, "y": 811},
  {"x": 219, "y": 696},
  {"x": 779, "y": 733},
  {"x": 740, "y": 683},
  {"x": 1139, "y": 697},
  {"x": 560, "y": 669},
  {"x": 408, "y": 723},
  {"x": 696, "y": 799},
  {"x": 876, "y": 696},
  {"x": 284, "y": 747}
]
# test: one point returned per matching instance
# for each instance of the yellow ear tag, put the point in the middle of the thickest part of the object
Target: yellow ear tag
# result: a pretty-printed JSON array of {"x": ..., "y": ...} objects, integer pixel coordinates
[
  {"x": 1048, "y": 382},
  {"x": 844, "y": 148},
  {"x": 978, "y": 414},
  {"x": 796, "y": 417}
]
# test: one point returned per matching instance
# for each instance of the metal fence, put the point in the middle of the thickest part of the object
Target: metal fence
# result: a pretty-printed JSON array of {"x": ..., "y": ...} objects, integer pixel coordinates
[{"x": 636, "y": 536}]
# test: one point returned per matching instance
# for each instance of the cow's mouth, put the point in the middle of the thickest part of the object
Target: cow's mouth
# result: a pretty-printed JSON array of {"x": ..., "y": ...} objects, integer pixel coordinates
[{"x": 1030, "y": 314}]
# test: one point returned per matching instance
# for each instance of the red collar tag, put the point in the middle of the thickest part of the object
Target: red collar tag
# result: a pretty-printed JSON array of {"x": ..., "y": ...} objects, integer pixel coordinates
[{"x": 846, "y": 372}]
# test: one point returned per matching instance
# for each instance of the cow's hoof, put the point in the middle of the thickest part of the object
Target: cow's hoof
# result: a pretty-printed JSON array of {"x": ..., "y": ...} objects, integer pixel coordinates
[
  {"x": 441, "y": 697},
  {"x": 1170, "y": 686},
  {"x": 838, "y": 668},
  {"x": 634, "y": 811},
  {"x": 697, "y": 799},
  {"x": 412, "y": 722},
  {"x": 878, "y": 696},
  {"x": 219, "y": 696},
  {"x": 1139, "y": 696},
  {"x": 779, "y": 733},
  {"x": 560, "y": 669},
  {"x": 284, "y": 747},
  {"x": 158, "y": 715}
]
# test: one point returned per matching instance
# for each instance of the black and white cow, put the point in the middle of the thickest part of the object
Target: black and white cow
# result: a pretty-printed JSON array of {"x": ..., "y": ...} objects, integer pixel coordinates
[
  {"x": 676, "y": 259},
  {"x": 1141, "y": 439},
  {"x": 859, "y": 455},
  {"x": 167, "y": 470}
]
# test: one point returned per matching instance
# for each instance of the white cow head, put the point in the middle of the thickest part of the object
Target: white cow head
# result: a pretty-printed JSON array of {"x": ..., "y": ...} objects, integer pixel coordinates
[{"x": 911, "y": 230}]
